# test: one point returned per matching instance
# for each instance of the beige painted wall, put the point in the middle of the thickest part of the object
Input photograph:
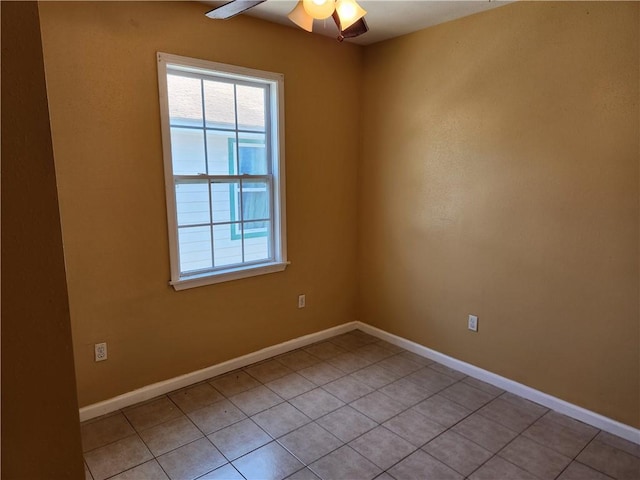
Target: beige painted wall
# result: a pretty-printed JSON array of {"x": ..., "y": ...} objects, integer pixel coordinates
[
  {"x": 499, "y": 177},
  {"x": 40, "y": 425},
  {"x": 100, "y": 63}
]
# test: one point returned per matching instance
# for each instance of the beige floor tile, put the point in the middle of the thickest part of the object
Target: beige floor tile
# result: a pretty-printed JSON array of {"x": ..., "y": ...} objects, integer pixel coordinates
[
  {"x": 270, "y": 462},
  {"x": 87, "y": 473},
  {"x": 117, "y": 457},
  {"x": 192, "y": 460},
  {"x": 524, "y": 404},
  {"x": 316, "y": 403},
  {"x": 345, "y": 463},
  {"x": 298, "y": 359},
  {"x": 256, "y": 400},
  {"x": 170, "y": 435},
  {"x": 214, "y": 417},
  {"x": 484, "y": 386},
  {"x": 290, "y": 386},
  {"x": 441, "y": 410},
  {"x": 414, "y": 427},
  {"x": 454, "y": 450},
  {"x": 348, "y": 388},
  {"x": 562, "y": 439},
  {"x": 431, "y": 380},
  {"x": 321, "y": 373},
  {"x": 514, "y": 416},
  {"x": 226, "y": 472},
  {"x": 349, "y": 341},
  {"x": 348, "y": 362},
  {"x": 382, "y": 447},
  {"x": 450, "y": 372},
  {"x": 324, "y": 350},
  {"x": 268, "y": 370},
  {"x": 147, "y": 471},
  {"x": 234, "y": 383},
  {"x": 400, "y": 365},
  {"x": 378, "y": 406},
  {"x": 499, "y": 469},
  {"x": 346, "y": 423},
  {"x": 389, "y": 346},
  {"x": 578, "y": 471},
  {"x": 239, "y": 439},
  {"x": 610, "y": 460},
  {"x": 373, "y": 352},
  {"x": 421, "y": 466},
  {"x": 304, "y": 474},
  {"x": 310, "y": 442},
  {"x": 102, "y": 431},
  {"x": 466, "y": 395},
  {"x": 152, "y": 413},
  {"x": 193, "y": 398},
  {"x": 374, "y": 376},
  {"x": 617, "y": 442},
  {"x": 280, "y": 420},
  {"x": 535, "y": 458},
  {"x": 406, "y": 392},
  {"x": 365, "y": 337},
  {"x": 486, "y": 433},
  {"x": 581, "y": 429},
  {"x": 415, "y": 358}
]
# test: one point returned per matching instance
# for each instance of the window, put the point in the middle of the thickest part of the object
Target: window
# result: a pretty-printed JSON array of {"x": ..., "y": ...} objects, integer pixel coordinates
[{"x": 222, "y": 131}]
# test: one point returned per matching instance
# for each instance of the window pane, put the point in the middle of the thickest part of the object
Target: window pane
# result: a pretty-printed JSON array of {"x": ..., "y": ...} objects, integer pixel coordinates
[
  {"x": 221, "y": 152},
  {"x": 192, "y": 203},
  {"x": 187, "y": 149},
  {"x": 219, "y": 104},
  {"x": 255, "y": 201},
  {"x": 225, "y": 199},
  {"x": 251, "y": 108},
  {"x": 195, "y": 248},
  {"x": 257, "y": 246},
  {"x": 185, "y": 100},
  {"x": 227, "y": 245},
  {"x": 253, "y": 157}
]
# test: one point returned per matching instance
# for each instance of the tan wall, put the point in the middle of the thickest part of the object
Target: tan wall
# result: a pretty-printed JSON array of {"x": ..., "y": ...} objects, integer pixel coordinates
[
  {"x": 40, "y": 426},
  {"x": 499, "y": 177},
  {"x": 100, "y": 63}
]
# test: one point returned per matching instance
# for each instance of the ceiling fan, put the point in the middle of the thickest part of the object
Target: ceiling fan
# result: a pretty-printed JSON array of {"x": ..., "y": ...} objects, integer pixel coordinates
[{"x": 347, "y": 14}]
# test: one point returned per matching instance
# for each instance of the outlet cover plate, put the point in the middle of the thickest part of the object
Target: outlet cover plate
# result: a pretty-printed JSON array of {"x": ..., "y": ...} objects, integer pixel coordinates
[
  {"x": 473, "y": 323},
  {"x": 100, "y": 350}
]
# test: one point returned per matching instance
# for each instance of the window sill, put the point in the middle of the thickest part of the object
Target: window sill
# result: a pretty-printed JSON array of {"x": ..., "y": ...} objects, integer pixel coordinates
[{"x": 228, "y": 275}]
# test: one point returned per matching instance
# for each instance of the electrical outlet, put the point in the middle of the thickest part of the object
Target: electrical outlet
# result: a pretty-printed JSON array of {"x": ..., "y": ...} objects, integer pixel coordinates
[
  {"x": 100, "y": 350},
  {"x": 473, "y": 323},
  {"x": 302, "y": 301}
]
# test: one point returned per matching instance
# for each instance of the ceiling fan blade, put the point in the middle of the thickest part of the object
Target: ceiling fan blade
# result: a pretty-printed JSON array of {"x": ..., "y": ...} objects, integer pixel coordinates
[
  {"x": 232, "y": 8},
  {"x": 354, "y": 30}
]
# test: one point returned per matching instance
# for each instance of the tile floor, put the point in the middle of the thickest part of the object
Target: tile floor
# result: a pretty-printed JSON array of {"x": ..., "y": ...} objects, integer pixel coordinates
[{"x": 351, "y": 408}]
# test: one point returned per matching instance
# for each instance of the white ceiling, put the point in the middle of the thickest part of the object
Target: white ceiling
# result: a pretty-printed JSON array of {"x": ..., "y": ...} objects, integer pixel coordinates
[{"x": 386, "y": 18}]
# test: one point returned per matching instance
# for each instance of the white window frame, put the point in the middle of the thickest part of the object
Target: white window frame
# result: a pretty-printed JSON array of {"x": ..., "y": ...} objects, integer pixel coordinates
[{"x": 276, "y": 140}]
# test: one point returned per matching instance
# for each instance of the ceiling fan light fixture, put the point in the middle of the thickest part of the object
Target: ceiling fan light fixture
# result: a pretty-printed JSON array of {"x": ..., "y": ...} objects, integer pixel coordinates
[
  {"x": 319, "y": 9},
  {"x": 349, "y": 12},
  {"x": 301, "y": 18}
]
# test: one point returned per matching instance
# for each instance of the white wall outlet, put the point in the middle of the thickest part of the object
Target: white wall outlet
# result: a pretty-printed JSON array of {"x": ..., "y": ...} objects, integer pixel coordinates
[
  {"x": 100, "y": 350},
  {"x": 473, "y": 323},
  {"x": 302, "y": 301}
]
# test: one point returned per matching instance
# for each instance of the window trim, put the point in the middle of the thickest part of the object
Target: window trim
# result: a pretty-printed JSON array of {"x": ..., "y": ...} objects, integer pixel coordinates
[{"x": 276, "y": 144}]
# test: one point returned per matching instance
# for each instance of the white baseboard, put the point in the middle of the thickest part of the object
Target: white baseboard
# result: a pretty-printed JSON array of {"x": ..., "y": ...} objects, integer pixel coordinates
[
  {"x": 145, "y": 393},
  {"x": 166, "y": 386},
  {"x": 587, "y": 416}
]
